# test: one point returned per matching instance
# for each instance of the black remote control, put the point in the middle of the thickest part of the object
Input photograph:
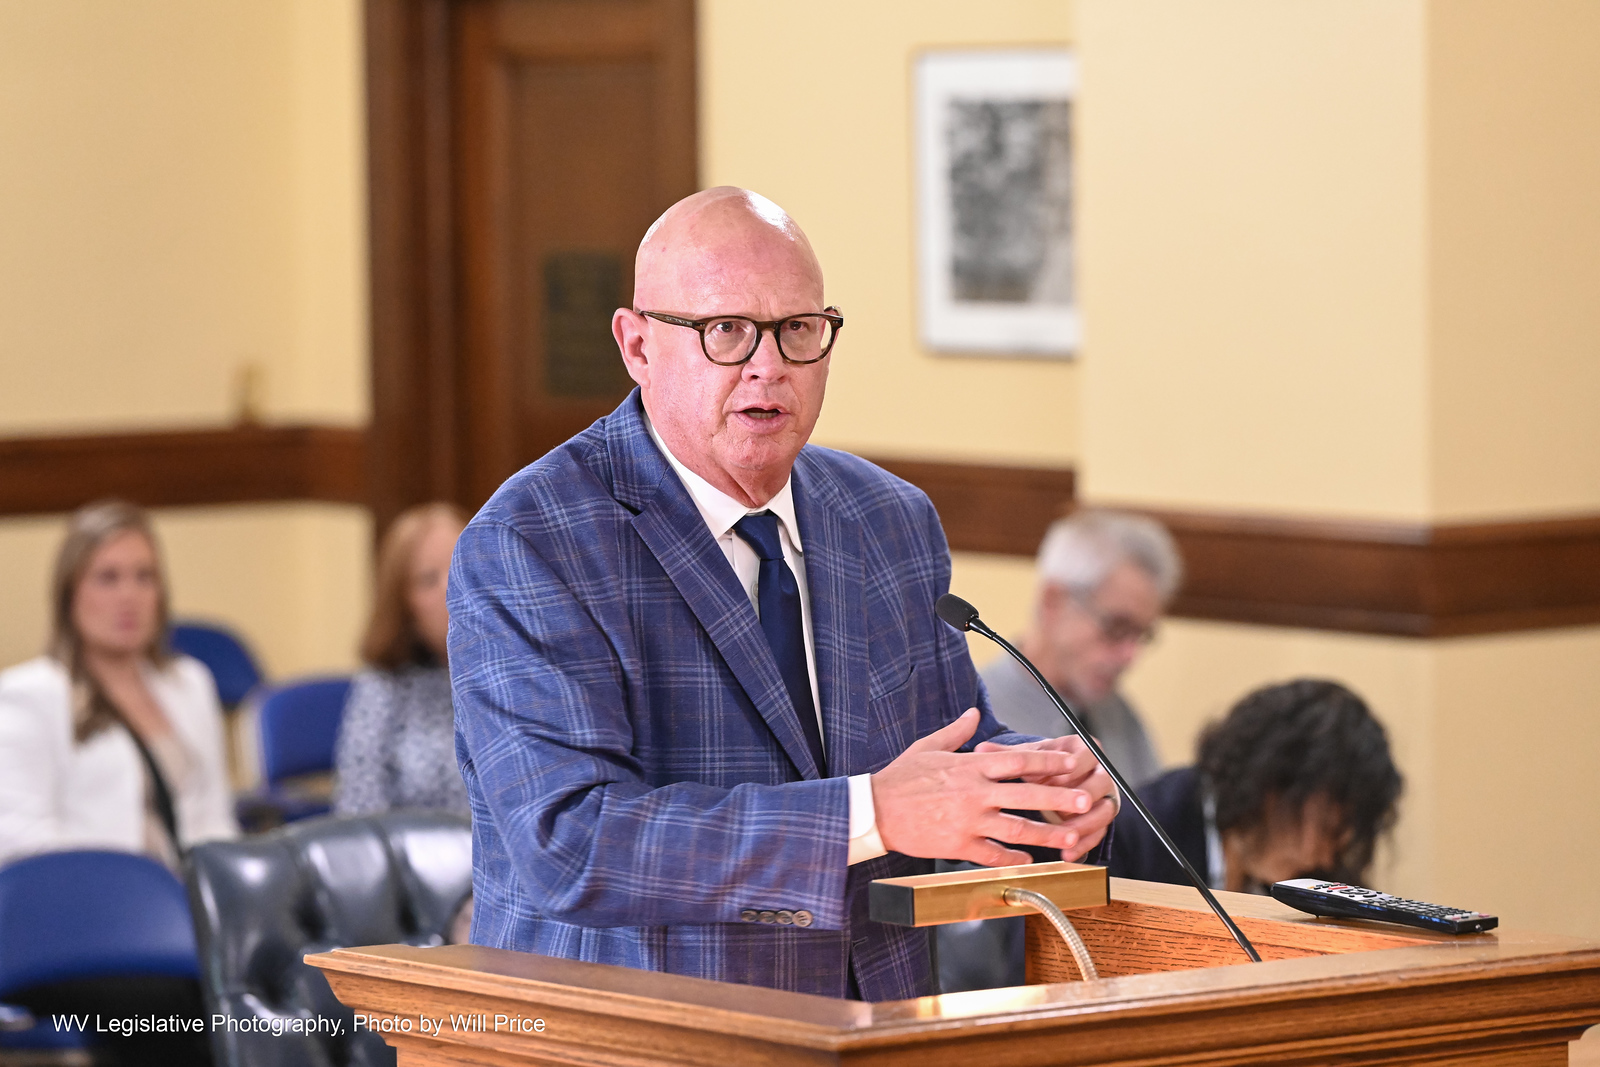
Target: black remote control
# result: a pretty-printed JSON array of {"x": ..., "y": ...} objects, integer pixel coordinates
[{"x": 1352, "y": 902}]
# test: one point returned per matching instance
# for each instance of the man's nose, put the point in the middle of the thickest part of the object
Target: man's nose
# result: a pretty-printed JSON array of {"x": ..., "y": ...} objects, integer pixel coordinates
[
  {"x": 1126, "y": 651},
  {"x": 768, "y": 360}
]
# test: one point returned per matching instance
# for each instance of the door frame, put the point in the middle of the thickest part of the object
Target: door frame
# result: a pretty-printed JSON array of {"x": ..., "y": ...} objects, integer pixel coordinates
[
  {"x": 411, "y": 453},
  {"x": 420, "y": 402}
]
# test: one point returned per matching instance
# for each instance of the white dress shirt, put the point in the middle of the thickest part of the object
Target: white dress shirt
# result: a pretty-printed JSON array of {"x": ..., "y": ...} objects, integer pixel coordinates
[{"x": 721, "y": 512}]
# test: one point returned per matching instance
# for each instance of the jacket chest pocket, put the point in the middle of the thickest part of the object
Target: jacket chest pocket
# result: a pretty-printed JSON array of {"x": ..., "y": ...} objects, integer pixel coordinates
[
  {"x": 891, "y": 682},
  {"x": 890, "y": 664},
  {"x": 891, "y": 709}
]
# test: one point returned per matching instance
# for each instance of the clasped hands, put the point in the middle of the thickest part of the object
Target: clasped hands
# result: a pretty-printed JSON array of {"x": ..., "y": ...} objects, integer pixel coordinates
[{"x": 935, "y": 802}]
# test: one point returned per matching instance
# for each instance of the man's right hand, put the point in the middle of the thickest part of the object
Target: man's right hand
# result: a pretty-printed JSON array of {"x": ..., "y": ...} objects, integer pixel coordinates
[{"x": 938, "y": 803}]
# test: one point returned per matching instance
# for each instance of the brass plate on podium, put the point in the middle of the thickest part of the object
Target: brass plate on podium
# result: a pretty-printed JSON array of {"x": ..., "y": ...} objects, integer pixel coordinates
[{"x": 961, "y": 896}]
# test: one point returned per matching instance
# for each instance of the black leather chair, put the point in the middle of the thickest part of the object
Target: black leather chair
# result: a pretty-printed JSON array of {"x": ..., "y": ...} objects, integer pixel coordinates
[{"x": 262, "y": 903}]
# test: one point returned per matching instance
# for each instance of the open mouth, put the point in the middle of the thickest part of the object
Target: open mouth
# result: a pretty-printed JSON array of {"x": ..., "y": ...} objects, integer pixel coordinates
[{"x": 761, "y": 413}]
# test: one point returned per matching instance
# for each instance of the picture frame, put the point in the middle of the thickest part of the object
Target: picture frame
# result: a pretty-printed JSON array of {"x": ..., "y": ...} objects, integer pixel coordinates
[{"x": 995, "y": 250}]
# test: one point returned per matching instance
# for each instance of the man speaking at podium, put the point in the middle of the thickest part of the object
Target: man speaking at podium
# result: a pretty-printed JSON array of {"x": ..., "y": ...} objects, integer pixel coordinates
[{"x": 702, "y": 698}]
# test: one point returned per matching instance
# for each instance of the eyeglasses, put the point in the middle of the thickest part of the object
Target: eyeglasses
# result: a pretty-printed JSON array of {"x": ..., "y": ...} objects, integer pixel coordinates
[
  {"x": 732, "y": 340},
  {"x": 1114, "y": 629}
]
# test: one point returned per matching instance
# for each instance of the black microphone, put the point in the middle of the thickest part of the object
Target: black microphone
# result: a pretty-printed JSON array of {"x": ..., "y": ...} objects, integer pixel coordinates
[{"x": 963, "y": 616}]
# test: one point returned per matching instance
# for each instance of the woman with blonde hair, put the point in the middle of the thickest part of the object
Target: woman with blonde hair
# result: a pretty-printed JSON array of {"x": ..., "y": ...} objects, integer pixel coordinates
[
  {"x": 397, "y": 741},
  {"x": 109, "y": 740}
]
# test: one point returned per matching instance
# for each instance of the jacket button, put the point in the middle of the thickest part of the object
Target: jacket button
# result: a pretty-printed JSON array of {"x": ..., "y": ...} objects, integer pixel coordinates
[
  {"x": 785, "y": 918},
  {"x": 769, "y": 917},
  {"x": 802, "y": 918},
  {"x": 749, "y": 915}
]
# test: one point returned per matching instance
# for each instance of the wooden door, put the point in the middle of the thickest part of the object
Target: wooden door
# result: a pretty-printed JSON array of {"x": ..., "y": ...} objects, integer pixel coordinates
[{"x": 542, "y": 139}]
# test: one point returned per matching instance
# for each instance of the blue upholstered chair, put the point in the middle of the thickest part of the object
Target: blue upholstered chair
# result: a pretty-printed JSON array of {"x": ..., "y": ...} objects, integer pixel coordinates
[
  {"x": 71, "y": 918},
  {"x": 299, "y": 726},
  {"x": 224, "y": 653}
]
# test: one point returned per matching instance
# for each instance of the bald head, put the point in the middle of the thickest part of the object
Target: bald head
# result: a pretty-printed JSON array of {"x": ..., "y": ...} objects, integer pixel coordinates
[
  {"x": 715, "y": 242},
  {"x": 724, "y": 252}
]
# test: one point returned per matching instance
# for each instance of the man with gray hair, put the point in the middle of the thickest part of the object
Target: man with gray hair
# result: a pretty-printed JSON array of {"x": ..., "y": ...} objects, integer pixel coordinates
[{"x": 1104, "y": 579}]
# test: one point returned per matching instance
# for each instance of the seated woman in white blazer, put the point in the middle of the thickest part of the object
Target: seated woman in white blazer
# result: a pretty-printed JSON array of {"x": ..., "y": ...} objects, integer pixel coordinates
[{"x": 108, "y": 740}]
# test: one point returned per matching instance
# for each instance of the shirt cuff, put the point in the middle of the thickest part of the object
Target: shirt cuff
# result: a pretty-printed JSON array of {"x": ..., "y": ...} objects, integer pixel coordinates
[{"x": 865, "y": 844}]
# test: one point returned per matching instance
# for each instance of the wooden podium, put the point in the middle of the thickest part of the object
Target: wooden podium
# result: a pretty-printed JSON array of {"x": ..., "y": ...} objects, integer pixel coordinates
[{"x": 1174, "y": 990}]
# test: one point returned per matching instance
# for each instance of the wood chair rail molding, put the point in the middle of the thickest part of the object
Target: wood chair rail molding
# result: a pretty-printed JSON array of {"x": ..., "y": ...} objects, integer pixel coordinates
[
  {"x": 175, "y": 468},
  {"x": 1407, "y": 579},
  {"x": 1493, "y": 999},
  {"x": 1000, "y": 510}
]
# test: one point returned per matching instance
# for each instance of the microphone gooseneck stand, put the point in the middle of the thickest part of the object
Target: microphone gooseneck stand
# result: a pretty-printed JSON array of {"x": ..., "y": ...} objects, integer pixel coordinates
[
  {"x": 1027, "y": 898},
  {"x": 963, "y": 616}
]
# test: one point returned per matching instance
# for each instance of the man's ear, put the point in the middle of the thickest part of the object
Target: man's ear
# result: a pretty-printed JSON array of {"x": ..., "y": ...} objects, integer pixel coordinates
[{"x": 628, "y": 327}]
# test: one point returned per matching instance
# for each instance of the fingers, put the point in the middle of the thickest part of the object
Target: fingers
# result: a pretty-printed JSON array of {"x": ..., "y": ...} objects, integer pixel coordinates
[
  {"x": 935, "y": 801},
  {"x": 1089, "y": 828},
  {"x": 1033, "y": 764},
  {"x": 1089, "y": 841},
  {"x": 1097, "y": 787},
  {"x": 1098, "y": 784},
  {"x": 988, "y": 853},
  {"x": 1066, "y": 743},
  {"x": 1015, "y": 830},
  {"x": 1001, "y": 830},
  {"x": 1031, "y": 796},
  {"x": 1092, "y": 779},
  {"x": 1078, "y": 765},
  {"x": 950, "y": 737}
]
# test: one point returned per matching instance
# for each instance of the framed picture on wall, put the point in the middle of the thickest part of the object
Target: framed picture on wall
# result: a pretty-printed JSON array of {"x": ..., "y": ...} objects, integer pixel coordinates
[{"x": 994, "y": 202}]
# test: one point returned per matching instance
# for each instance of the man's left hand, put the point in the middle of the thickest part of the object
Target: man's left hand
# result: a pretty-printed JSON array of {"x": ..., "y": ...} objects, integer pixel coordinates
[{"x": 1086, "y": 774}]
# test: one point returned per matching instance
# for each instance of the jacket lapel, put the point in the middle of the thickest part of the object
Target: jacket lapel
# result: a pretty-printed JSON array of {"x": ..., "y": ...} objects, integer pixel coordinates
[
  {"x": 675, "y": 533},
  {"x": 836, "y": 583}
]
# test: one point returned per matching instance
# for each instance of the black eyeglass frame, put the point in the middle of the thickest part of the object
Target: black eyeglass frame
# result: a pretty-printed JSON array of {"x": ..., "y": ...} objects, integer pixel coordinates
[
  {"x": 1114, "y": 629},
  {"x": 831, "y": 313}
]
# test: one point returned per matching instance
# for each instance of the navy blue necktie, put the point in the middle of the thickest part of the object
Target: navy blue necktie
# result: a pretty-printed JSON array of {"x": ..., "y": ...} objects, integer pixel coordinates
[{"x": 778, "y": 596}]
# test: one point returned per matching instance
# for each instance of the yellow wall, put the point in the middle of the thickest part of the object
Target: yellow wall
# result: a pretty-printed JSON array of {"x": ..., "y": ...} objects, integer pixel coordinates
[
  {"x": 1514, "y": 257},
  {"x": 1340, "y": 259},
  {"x": 1252, "y": 221},
  {"x": 182, "y": 192},
  {"x": 1372, "y": 232},
  {"x": 1516, "y": 728},
  {"x": 848, "y": 101}
]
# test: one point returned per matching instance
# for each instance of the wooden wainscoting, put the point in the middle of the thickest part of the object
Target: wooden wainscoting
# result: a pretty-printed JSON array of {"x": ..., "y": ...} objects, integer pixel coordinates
[
  {"x": 991, "y": 509},
  {"x": 1411, "y": 579},
  {"x": 176, "y": 468},
  {"x": 1389, "y": 578}
]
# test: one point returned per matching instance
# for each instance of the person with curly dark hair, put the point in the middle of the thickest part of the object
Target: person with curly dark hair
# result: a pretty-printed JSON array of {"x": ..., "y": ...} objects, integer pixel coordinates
[{"x": 1297, "y": 781}]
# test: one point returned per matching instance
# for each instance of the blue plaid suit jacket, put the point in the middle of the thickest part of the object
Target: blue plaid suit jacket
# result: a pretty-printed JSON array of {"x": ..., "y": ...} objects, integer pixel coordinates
[{"x": 637, "y": 772}]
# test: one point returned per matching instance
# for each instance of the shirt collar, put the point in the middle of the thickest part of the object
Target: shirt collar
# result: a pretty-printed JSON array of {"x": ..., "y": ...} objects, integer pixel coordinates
[{"x": 719, "y": 510}]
